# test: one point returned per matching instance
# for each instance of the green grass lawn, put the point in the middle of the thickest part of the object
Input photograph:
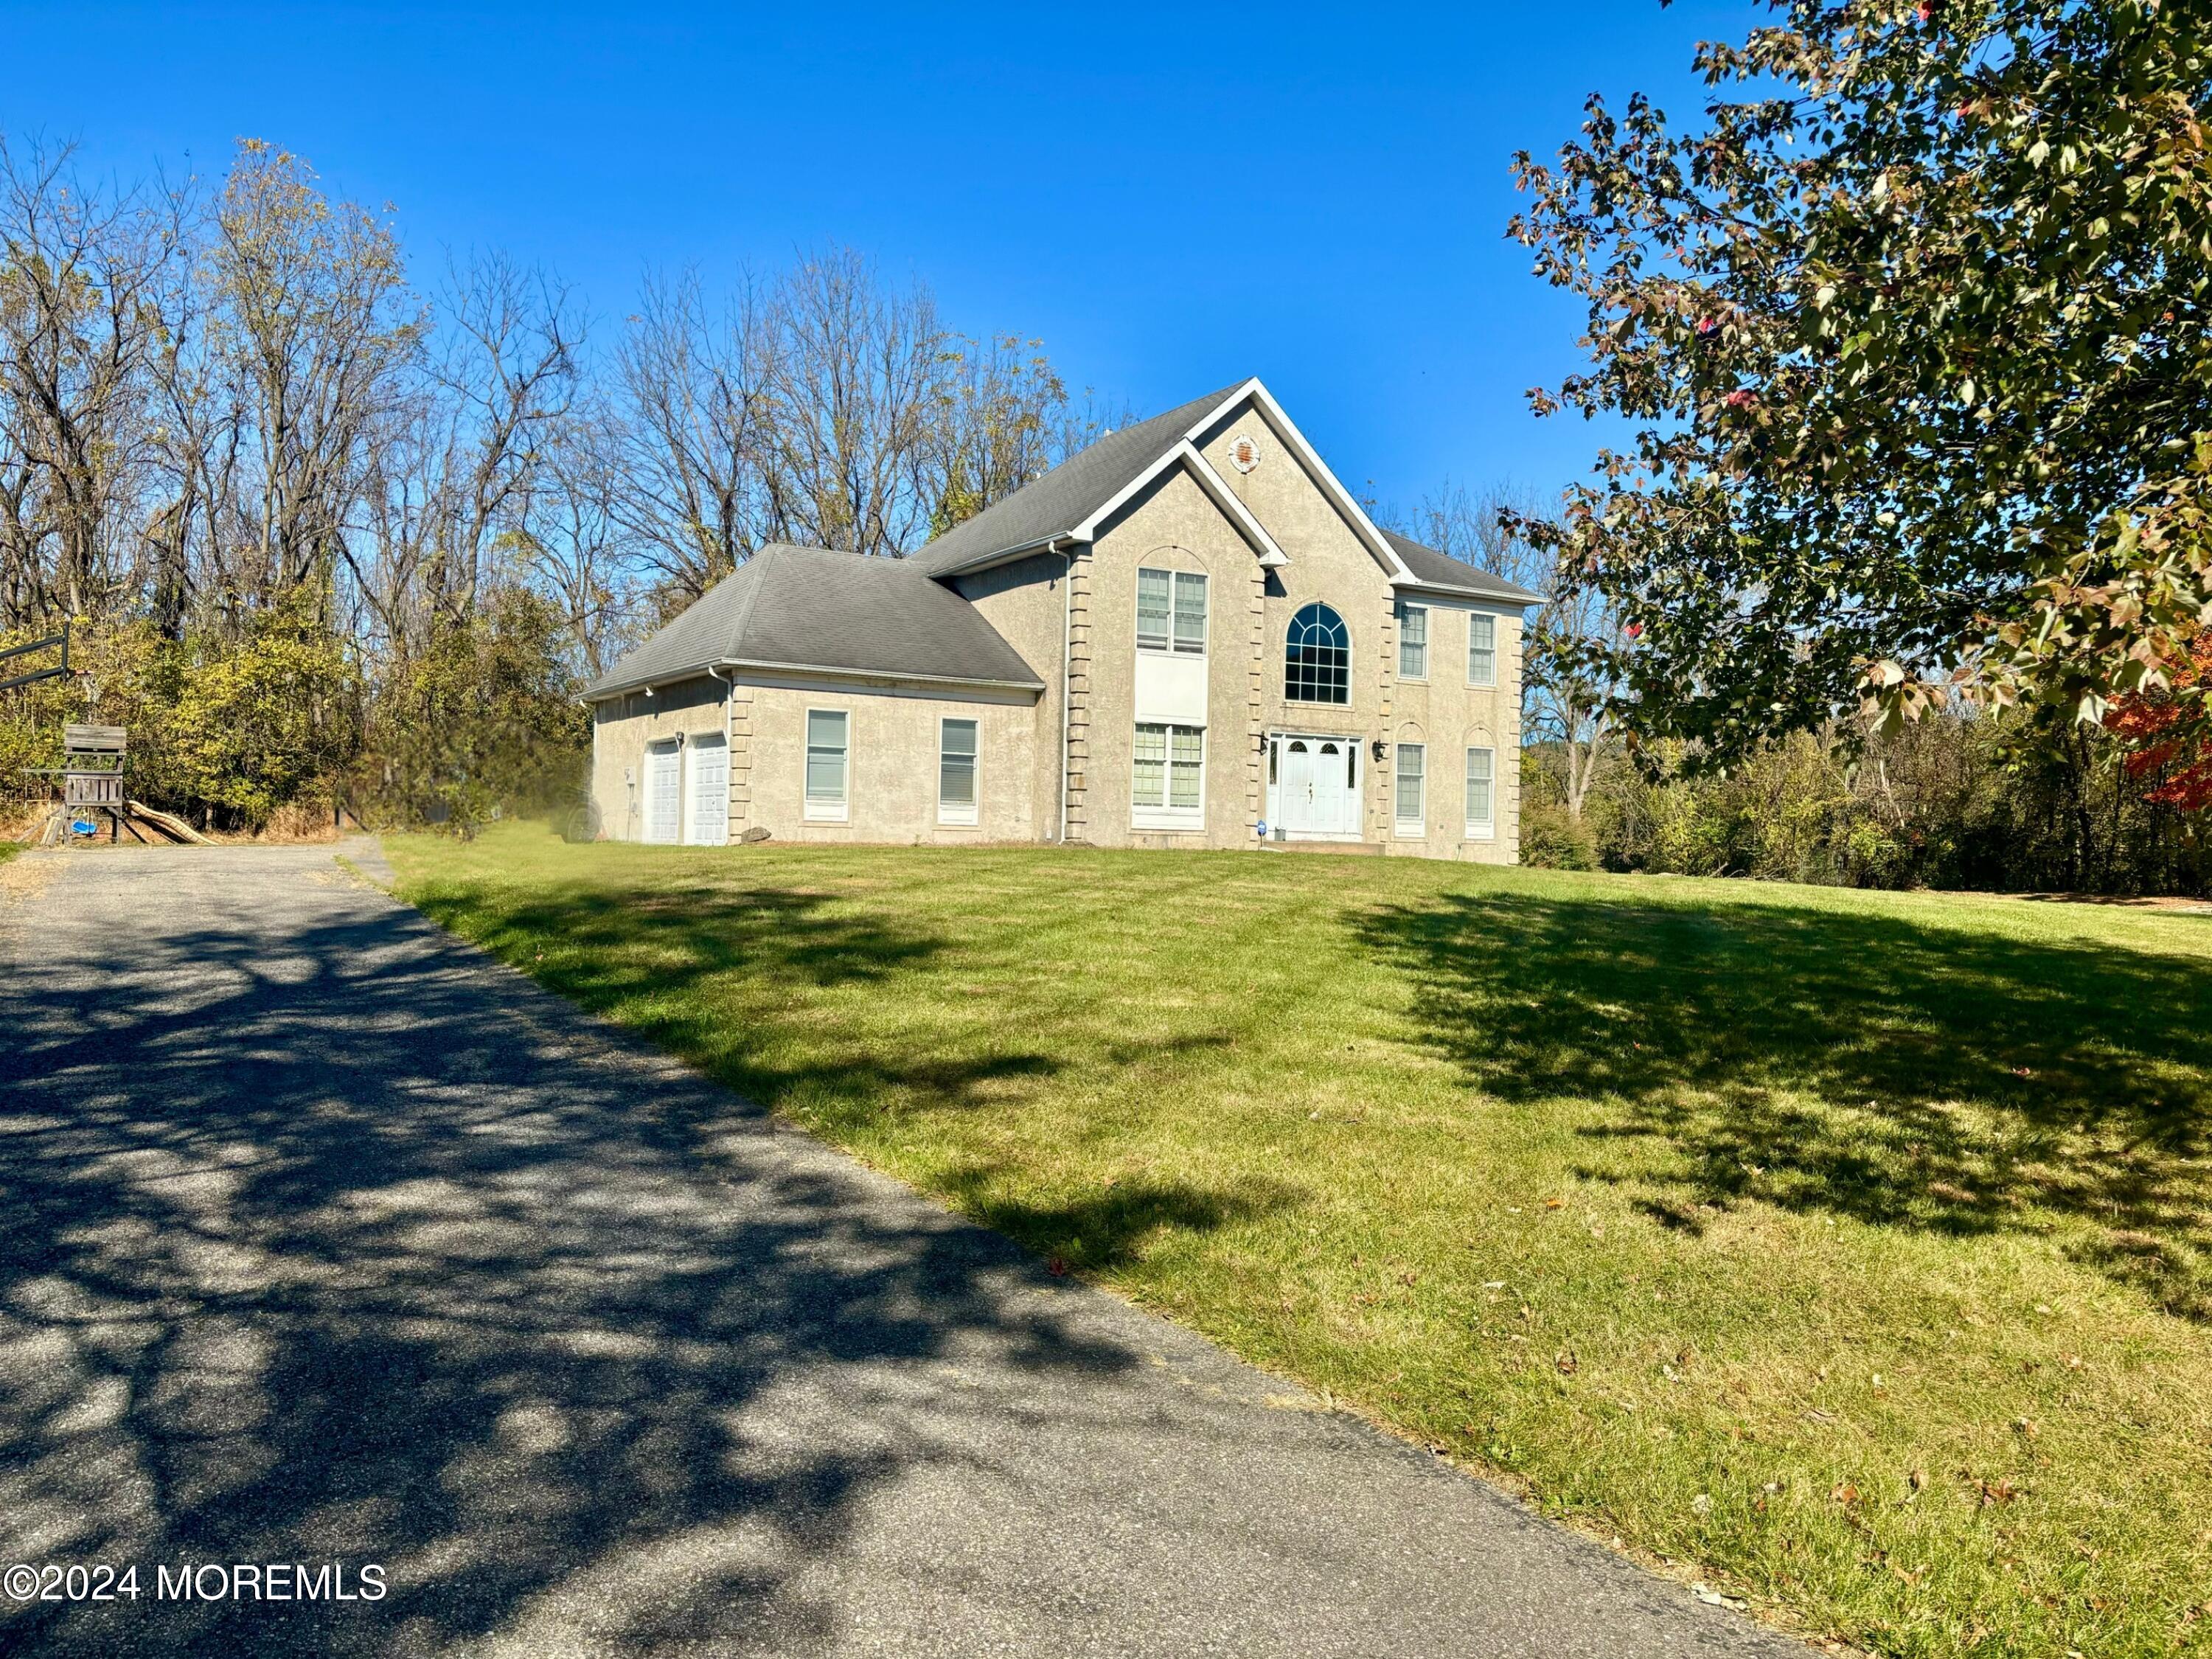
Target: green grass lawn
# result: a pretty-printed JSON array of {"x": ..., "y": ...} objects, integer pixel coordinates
[{"x": 1851, "y": 1250}]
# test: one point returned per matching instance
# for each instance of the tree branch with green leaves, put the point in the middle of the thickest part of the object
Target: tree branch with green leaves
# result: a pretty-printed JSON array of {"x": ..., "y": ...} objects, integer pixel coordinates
[{"x": 1911, "y": 331}]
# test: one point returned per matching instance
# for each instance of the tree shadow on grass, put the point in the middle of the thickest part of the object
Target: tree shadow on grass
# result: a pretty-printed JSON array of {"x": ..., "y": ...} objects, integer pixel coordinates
[
  {"x": 319, "y": 1243},
  {"x": 641, "y": 955},
  {"x": 1857, "y": 1065},
  {"x": 1100, "y": 1230}
]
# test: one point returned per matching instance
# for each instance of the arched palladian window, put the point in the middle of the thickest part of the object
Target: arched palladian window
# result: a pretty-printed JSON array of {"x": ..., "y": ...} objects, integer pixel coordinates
[{"x": 1317, "y": 658}]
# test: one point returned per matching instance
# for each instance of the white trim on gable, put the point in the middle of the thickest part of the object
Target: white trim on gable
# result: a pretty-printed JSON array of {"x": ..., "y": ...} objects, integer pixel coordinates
[
  {"x": 1317, "y": 468},
  {"x": 1185, "y": 454}
]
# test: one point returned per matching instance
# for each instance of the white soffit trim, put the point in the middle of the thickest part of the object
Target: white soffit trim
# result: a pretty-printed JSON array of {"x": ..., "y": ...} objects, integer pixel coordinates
[
  {"x": 1185, "y": 454},
  {"x": 1475, "y": 596}
]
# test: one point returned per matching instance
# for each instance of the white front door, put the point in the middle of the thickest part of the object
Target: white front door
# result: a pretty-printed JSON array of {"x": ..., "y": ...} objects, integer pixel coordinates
[
  {"x": 664, "y": 793},
  {"x": 710, "y": 792},
  {"x": 1315, "y": 785}
]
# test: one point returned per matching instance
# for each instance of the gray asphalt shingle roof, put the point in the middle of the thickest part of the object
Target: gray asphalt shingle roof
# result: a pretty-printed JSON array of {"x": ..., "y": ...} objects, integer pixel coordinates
[
  {"x": 810, "y": 607},
  {"x": 815, "y": 608},
  {"x": 1442, "y": 570},
  {"x": 1070, "y": 493}
]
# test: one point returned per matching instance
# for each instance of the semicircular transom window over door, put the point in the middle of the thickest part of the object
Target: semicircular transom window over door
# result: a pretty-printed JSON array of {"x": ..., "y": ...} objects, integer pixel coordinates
[{"x": 1318, "y": 657}]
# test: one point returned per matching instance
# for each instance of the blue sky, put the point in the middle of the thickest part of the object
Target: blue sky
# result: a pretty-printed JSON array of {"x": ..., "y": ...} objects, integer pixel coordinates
[{"x": 1169, "y": 199}]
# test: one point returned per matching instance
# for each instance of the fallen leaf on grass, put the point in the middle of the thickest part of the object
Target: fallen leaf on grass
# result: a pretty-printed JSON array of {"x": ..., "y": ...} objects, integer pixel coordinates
[
  {"x": 1843, "y": 1492},
  {"x": 1997, "y": 1492},
  {"x": 1555, "y": 1203},
  {"x": 1568, "y": 1364}
]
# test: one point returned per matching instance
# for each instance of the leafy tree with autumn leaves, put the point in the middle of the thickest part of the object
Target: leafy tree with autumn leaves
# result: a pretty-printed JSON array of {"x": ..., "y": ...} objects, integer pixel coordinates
[
  {"x": 2169, "y": 733},
  {"x": 1912, "y": 330}
]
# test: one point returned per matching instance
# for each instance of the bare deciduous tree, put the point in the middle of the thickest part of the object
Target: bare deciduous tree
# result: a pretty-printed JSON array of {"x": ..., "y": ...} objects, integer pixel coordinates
[
  {"x": 80, "y": 266},
  {"x": 695, "y": 385},
  {"x": 857, "y": 385},
  {"x": 453, "y": 460},
  {"x": 574, "y": 539},
  {"x": 316, "y": 320}
]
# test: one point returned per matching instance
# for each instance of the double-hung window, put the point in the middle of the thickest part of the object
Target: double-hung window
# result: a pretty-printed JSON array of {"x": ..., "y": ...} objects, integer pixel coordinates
[
  {"x": 956, "y": 771},
  {"x": 827, "y": 767},
  {"x": 1412, "y": 792},
  {"x": 1171, "y": 612},
  {"x": 1481, "y": 794},
  {"x": 1481, "y": 650},
  {"x": 1412, "y": 642},
  {"x": 1167, "y": 778}
]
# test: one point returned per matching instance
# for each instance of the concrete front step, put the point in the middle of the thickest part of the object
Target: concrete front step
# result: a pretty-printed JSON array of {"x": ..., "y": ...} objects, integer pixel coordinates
[{"x": 1360, "y": 848}]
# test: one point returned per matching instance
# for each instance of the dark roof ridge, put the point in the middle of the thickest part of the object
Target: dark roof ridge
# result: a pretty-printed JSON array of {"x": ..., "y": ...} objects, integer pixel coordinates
[{"x": 1053, "y": 504}]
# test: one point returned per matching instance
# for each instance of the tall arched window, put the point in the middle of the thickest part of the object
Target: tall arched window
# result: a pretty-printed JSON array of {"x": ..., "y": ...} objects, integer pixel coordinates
[{"x": 1317, "y": 659}]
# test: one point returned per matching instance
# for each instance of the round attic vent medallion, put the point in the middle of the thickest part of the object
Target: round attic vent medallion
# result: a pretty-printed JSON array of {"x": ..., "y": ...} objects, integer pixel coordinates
[{"x": 1243, "y": 452}]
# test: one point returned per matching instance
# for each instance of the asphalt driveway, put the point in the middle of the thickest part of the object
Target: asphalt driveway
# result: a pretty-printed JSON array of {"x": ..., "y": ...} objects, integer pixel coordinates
[{"x": 326, "y": 1240}]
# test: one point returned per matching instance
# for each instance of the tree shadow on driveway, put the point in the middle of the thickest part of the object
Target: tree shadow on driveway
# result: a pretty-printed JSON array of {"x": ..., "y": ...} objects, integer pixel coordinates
[
  {"x": 328, "y": 1244},
  {"x": 1857, "y": 1065}
]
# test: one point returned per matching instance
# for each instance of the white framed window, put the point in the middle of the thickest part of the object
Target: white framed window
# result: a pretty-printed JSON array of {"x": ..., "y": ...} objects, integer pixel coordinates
[
  {"x": 1481, "y": 794},
  {"x": 1412, "y": 642},
  {"x": 1412, "y": 795},
  {"x": 956, "y": 771},
  {"x": 1171, "y": 612},
  {"x": 1481, "y": 649},
  {"x": 828, "y": 764},
  {"x": 1167, "y": 777}
]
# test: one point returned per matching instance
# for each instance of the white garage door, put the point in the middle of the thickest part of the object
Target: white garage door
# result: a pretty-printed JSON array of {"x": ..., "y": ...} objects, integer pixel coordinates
[
  {"x": 663, "y": 794},
  {"x": 710, "y": 791}
]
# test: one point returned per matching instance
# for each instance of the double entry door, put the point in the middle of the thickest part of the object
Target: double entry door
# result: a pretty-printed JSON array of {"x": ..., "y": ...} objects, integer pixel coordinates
[{"x": 1312, "y": 786}]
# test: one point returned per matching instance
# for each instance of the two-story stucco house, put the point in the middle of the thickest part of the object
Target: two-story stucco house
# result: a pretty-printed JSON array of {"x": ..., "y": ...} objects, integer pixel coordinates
[{"x": 1189, "y": 634}]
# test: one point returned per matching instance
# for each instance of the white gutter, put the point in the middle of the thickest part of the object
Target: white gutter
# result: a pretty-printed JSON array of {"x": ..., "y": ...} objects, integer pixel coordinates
[
  {"x": 888, "y": 676},
  {"x": 1004, "y": 555},
  {"x": 817, "y": 670}
]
